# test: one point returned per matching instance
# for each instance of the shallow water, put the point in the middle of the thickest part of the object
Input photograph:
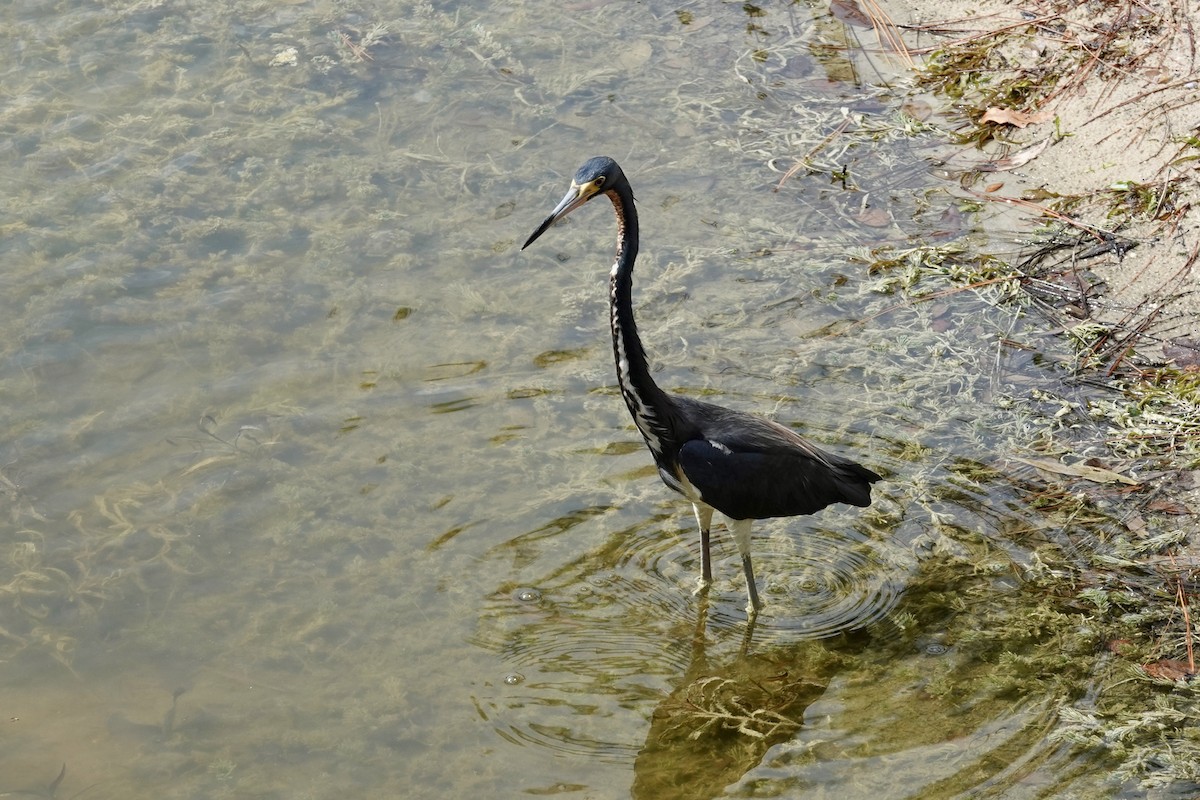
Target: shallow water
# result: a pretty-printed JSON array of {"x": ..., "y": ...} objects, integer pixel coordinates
[{"x": 317, "y": 486}]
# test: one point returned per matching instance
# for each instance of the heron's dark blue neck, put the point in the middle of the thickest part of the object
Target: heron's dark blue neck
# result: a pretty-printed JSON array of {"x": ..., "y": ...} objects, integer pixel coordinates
[{"x": 648, "y": 404}]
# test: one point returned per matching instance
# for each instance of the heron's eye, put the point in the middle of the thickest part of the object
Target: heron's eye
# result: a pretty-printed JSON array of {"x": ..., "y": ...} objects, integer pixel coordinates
[{"x": 598, "y": 182}]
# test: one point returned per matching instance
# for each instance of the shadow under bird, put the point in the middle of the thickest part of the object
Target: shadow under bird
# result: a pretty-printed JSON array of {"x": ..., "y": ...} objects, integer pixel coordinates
[{"x": 745, "y": 466}]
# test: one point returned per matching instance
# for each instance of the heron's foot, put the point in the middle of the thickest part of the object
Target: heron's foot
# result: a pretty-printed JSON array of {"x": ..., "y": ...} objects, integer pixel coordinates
[
  {"x": 701, "y": 587},
  {"x": 755, "y": 604}
]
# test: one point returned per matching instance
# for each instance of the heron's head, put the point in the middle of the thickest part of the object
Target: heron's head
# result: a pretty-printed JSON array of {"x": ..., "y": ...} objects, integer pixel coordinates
[{"x": 597, "y": 176}]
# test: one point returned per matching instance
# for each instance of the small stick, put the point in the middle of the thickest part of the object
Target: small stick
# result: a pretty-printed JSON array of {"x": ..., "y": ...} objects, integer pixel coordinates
[
  {"x": 1037, "y": 21},
  {"x": 820, "y": 146},
  {"x": 1187, "y": 624},
  {"x": 1016, "y": 201},
  {"x": 885, "y": 30},
  {"x": 359, "y": 51}
]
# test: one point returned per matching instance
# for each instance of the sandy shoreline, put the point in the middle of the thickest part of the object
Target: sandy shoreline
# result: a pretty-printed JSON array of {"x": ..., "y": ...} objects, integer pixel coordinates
[{"x": 1105, "y": 131}]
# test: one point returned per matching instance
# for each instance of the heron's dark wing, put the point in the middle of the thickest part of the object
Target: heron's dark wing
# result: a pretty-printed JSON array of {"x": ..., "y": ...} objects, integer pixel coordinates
[{"x": 748, "y": 467}]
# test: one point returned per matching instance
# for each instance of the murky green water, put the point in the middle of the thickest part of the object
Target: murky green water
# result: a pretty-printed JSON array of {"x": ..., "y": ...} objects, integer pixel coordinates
[{"x": 316, "y": 486}]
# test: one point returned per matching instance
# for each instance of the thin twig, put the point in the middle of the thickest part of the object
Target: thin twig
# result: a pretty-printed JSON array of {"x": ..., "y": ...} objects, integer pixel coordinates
[
  {"x": 1144, "y": 324},
  {"x": 358, "y": 50},
  {"x": 986, "y": 34},
  {"x": 1136, "y": 98},
  {"x": 1181, "y": 596},
  {"x": 818, "y": 148},
  {"x": 886, "y": 31},
  {"x": 1016, "y": 201}
]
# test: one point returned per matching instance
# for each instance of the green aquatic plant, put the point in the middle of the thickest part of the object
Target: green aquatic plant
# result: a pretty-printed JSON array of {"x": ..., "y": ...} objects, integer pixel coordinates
[{"x": 1158, "y": 416}]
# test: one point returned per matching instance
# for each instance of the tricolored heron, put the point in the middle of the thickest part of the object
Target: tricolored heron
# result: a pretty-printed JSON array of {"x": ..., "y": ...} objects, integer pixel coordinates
[{"x": 745, "y": 466}]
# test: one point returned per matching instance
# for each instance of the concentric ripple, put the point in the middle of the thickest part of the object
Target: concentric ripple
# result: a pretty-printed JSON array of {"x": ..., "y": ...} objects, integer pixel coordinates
[
  {"x": 814, "y": 584},
  {"x": 616, "y": 628}
]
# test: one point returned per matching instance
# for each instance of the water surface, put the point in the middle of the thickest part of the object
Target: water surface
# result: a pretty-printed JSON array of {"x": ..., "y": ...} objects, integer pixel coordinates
[{"x": 318, "y": 487}]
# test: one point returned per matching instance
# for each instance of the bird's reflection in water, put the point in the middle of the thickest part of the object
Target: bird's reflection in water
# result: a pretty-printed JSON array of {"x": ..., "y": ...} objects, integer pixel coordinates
[{"x": 721, "y": 720}]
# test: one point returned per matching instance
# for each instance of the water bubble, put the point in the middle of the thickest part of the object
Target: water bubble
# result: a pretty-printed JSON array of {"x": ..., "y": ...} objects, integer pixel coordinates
[
  {"x": 514, "y": 678},
  {"x": 936, "y": 649},
  {"x": 527, "y": 595}
]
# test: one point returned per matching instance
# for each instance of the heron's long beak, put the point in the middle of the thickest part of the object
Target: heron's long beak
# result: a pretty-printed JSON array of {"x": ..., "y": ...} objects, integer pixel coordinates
[{"x": 574, "y": 198}]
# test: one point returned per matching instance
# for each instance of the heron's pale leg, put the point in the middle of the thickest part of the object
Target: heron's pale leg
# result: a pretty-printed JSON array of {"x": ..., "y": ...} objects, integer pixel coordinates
[
  {"x": 741, "y": 536},
  {"x": 704, "y": 515}
]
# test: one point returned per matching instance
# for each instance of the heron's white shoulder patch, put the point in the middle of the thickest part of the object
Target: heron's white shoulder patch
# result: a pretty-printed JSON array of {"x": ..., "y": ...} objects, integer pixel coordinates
[{"x": 720, "y": 446}]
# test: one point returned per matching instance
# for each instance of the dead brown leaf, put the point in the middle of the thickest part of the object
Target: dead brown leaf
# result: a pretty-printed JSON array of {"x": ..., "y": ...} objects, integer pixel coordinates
[
  {"x": 1168, "y": 669},
  {"x": 1168, "y": 507},
  {"x": 1136, "y": 523},
  {"x": 917, "y": 109},
  {"x": 1017, "y": 159},
  {"x": 848, "y": 11},
  {"x": 873, "y": 217},
  {"x": 1184, "y": 352},
  {"x": 1095, "y": 474},
  {"x": 1020, "y": 119}
]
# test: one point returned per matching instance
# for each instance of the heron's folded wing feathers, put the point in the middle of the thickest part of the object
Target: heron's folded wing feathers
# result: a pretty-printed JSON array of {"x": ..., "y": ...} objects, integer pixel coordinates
[{"x": 752, "y": 480}]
